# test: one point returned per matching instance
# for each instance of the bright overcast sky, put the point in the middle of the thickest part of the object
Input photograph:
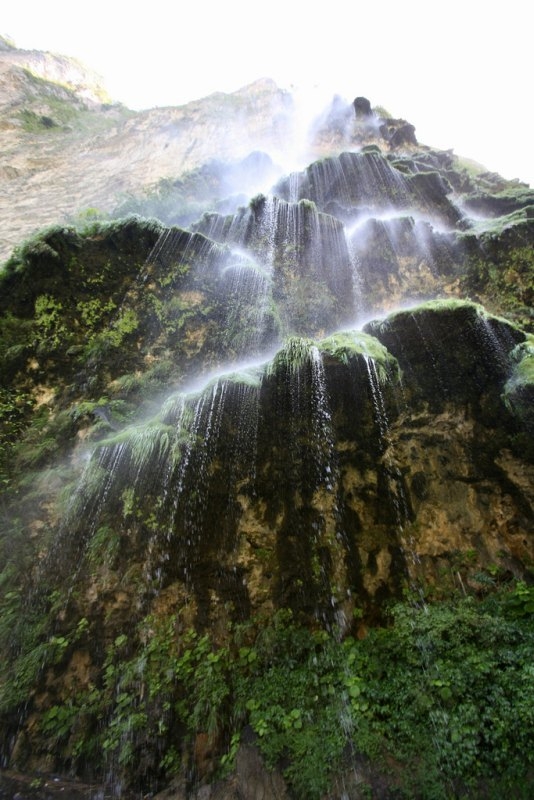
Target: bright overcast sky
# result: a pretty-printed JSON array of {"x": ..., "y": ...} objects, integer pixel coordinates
[{"x": 460, "y": 70}]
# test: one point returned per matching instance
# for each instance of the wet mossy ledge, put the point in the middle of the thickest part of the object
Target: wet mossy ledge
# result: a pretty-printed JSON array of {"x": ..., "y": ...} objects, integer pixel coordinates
[
  {"x": 450, "y": 350},
  {"x": 201, "y": 509}
]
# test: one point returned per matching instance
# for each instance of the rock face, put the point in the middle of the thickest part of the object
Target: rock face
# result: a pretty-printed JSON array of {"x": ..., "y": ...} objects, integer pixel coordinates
[
  {"x": 362, "y": 107},
  {"x": 69, "y": 154},
  {"x": 214, "y": 474},
  {"x": 66, "y": 148}
]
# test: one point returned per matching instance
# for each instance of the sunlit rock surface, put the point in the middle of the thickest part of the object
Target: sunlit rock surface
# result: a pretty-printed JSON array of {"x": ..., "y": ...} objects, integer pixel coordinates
[{"x": 67, "y": 148}]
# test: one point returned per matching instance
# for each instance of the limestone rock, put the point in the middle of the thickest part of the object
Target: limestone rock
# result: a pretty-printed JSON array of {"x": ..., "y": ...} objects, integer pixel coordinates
[
  {"x": 362, "y": 107},
  {"x": 123, "y": 152}
]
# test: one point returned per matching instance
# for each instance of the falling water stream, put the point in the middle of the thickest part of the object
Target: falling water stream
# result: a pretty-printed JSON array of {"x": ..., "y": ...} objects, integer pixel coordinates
[{"x": 234, "y": 447}]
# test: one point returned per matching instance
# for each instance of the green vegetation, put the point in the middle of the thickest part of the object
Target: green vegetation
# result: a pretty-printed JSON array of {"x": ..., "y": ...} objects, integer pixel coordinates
[
  {"x": 523, "y": 371},
  {"x": 65, "y": 117},
  {"x": 184, "y": 199},
  {"x": 438, "y": 309},
  {"x": 127, "y": 611},
  {"x": 495, "y": 226},
  {"x": 89, "y": 221},
  {"x": 353, "y": 344},
  {"x": 169, "y": 201},
  {"x": 73, "y": 303},
  {"x": 502, "y": 275},
  {"x": 436, "y": 706},
  {"x": 249, "y": 376},
  {"x": 29, "y": 642},
  {"x": 53, "y": 89},
  {"x": 54, "y": 109},
  {"x": 15, "y": 410},
  {"x": 295, "y": 353},
  {"x": 476, "y": 172},
  {"x": 518, "y": 392},
  {"x": 382, "y": 112},
  {"x": 62, "y": 112},
  {"x": 35, "y": 123}
]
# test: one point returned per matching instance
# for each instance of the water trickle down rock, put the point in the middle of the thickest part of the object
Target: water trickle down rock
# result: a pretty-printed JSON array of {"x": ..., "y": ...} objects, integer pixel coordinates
[
  {"x": 306, "y": 482},
  {"x": 455, "y": 361},
  {"x": 306, "y": 254}
]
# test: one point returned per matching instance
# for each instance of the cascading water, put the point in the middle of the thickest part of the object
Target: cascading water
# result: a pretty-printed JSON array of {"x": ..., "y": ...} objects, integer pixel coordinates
[
  {"x": 302, "y": 250},
  {"x": 294, "y": 483},
  {"x": 393, "y": 477},
  {"x": 352, "y": 180},
  {"x": 163, "y": 477}
]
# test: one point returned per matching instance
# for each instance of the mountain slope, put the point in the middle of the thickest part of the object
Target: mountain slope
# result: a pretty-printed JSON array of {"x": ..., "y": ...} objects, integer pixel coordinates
[{"x": 66, "y": 149}]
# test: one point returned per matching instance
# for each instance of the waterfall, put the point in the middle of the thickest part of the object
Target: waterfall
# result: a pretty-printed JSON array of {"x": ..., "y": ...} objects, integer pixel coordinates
[
  {"x": 261, "y": 458},
  {"x": 350, "y": 180},
  {"x": 301, "y": 250}
]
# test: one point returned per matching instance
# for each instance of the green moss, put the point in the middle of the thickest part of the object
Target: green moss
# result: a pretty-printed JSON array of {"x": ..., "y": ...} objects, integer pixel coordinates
[
  {"x": 307, "y": 206},
  {"x": 142, "y": 385},
  {"x": 257, "y": 202},
  {"x": 471, "y": 167},
  {"x": 64, "y": 108},
  {"x": 451, "y": 351},
  {"x": 108, "y": 317},
  {"x": 294, "y": 355},
  {"x": 519, "y": 389},
  {"x": 495, "y": 226},
  {"x": 523, "y": 371},
  {"x": 15, "y": 413},
  {"x": 439, "y": 306},
  {"x": 88, "y": 221},
  {"x": 380, "y": 111},
  {"x": 500, "y": 271},
  {"x": 30, "y": 648},
  {"x": 36, "y": 123},
  {"x": 249, "y": 376},
  {"x": 346, "y": 345},
  {"x": 143, "y": 438}
]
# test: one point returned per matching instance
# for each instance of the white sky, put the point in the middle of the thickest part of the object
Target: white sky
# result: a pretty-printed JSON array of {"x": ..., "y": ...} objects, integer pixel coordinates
[{"x": 460, "y": 70}]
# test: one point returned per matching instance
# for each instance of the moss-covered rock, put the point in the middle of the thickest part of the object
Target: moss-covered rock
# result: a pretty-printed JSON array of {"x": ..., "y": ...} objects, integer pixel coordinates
[
  {"x": 449, "y": 351},
  {"x": 519, "y": 389}
]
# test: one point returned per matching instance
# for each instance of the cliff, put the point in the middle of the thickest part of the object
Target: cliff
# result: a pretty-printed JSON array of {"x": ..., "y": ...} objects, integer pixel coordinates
[
  {"x": 267, "y": 461},
  {"x": 67, "y": 148}
]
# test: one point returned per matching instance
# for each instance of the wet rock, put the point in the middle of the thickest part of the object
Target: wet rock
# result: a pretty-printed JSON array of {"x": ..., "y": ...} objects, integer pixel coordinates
[
  {"x": 254, "y": 781},
  {"x": 362, "y": 108},
  {"x": 250, "y": 780},
  {"x": 398, "y": 133},
  {"x": 404, "y": 134},
  {"x": 496, "y": 205},
  {"x": 39, "y": 786},
  {"x": 450, "y": 349},
  {"x": 321, "y": 481}
]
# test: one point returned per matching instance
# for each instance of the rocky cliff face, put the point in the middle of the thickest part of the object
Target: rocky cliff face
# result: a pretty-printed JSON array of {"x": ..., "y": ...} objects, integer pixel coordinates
[
  {"x": 66, "y": 148},
  {"x": 214, "y": 475}
]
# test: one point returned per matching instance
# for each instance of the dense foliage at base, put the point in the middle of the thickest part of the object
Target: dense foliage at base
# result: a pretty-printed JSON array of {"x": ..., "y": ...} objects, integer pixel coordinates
[{"x": 438, "y": 704}]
